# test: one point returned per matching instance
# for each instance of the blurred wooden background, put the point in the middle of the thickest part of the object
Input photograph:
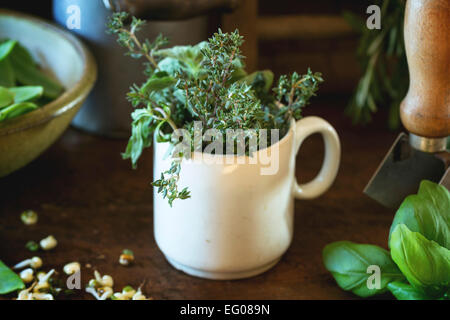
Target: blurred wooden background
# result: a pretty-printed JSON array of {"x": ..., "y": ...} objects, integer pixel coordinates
[
  {"x": 283, "y": 35},
  {"x": 292, "y": 35}
]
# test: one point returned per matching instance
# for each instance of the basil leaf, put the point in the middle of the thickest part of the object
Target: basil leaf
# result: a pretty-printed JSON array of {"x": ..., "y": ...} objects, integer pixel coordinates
[
  {"x": 405, "y": 291},
  {"x": 7, "y": 77},
  {"x": 9, "y": 281},
  {"x": 6, "y": 48},
  {"x": 27, "y": 73},
  {"x": 427, "y": 212},
  {"x": 16, "y": 110},
  {"x": 424, "y": 263},
  {"x": 6, "y": 97},
  {"x": 26, "y": 93},
  {"x": 348, "y": 263}
]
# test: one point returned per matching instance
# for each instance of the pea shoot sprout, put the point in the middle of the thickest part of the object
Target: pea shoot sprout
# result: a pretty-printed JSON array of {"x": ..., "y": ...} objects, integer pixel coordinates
[
  {"x": 71, "y": 268},
  {"x": 34, "y": 263}
]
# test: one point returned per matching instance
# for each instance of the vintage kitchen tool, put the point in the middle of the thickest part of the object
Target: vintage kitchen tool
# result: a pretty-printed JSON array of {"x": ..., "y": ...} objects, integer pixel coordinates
[{"x": 425, "y": 111}]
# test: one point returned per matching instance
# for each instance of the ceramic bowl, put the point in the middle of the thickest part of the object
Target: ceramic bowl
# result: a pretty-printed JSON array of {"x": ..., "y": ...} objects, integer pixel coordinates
[{"x": 58, "y": 52}]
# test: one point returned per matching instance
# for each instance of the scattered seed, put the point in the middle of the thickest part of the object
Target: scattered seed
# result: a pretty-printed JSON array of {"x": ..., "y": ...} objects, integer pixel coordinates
[
  {"x": 29, "y": 217},
  {"x": 48, "y": 243},
  {"x": 71, "y": 268},
  {"x": 27, "y": 275},
  {"x": 32, "y": 246},
  {"x": 126, "y": 258}
]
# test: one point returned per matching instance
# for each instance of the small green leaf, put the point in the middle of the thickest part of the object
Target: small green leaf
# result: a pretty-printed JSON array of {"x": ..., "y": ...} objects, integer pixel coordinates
[
  {"x": 159, "y": 81},
  {"x": 7, "y": 77},
  {"x": 6, "y": 97},
  {"x": 405, "y": 291},
  {"x": 28, "y": 74},
  {"x": 9, "y": 281},
  {"x": 265, "y": 77},
  {"x": 424, "y": 263},
  {"x": 348, "y": 262},
  {"x": 26, "y": 93},
  {"x": 427, "y": 212},
  {"x": 6, "y": 48},
  {"x": 16, "y": 110},
  {"x": 190, "y": 57}
]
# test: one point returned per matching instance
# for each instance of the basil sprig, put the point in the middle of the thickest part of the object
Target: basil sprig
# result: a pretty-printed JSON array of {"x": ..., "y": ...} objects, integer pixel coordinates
[{"x": 418, "y": 265}]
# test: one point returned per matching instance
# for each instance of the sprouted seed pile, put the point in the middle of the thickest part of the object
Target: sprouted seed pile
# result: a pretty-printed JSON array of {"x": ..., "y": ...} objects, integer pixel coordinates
[
  {"x": 204, "y": 83},
  {"x": 48, "y": 286}
]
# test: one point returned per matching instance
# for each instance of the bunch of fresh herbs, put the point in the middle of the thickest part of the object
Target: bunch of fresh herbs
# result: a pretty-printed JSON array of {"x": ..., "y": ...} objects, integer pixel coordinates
[
  {"x": 382, "y": 57},
  {"x": 17, "y": 67},
  {"x": 204, "y": 83},
  {"x": 418, "y": 264}
]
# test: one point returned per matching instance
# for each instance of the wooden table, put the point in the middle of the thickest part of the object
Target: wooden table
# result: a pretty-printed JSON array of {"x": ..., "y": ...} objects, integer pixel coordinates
[{"x": 96, "y": 206}]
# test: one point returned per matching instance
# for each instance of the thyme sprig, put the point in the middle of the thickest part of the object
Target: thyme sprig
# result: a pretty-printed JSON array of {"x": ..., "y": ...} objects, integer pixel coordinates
[{"x": 207, "y": 83}]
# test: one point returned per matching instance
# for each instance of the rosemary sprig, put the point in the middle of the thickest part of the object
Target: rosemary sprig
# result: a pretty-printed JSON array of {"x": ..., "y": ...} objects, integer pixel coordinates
[{"x": 383, "y": 60}]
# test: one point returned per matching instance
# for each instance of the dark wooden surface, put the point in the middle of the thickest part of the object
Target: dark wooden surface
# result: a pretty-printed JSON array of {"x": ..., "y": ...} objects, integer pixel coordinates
[{"x": 95, "y": 205}]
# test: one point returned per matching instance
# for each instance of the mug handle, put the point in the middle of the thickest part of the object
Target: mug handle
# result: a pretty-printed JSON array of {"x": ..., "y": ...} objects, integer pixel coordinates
[{"x": 303, "y": 129}]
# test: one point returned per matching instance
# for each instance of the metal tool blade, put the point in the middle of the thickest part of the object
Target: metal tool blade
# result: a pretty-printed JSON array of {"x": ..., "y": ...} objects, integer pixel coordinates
[
  {"x": 445, "y": 181},
  {"x": 401, "y": 172}
]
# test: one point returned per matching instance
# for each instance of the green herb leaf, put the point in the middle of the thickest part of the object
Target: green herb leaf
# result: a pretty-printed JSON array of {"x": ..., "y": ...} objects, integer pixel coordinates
[
  {"x": 190, "y": 57},
  {"x": 159, "y": 81},
  {"x": 9, "y": 281},
  {"x": 7, "y": 77},
  {"x": 424, "y": 263},
  {"x": 6, "y": 48},
  {"x": 28, "y": 74},
  {"x": 348, "y": 263},
  {"x": 16, "y": 110},
  {"x": 26, "y": 93},
  {"x": 260, "y": 79},
  {"x": 6, "y": 97},
  {"x": 405, "y": 291},
  {"x": 427, "y": 212}
]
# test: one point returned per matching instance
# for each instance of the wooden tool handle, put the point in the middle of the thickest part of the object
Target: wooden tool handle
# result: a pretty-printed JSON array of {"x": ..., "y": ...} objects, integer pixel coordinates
[{"x": 425, "y": 111}]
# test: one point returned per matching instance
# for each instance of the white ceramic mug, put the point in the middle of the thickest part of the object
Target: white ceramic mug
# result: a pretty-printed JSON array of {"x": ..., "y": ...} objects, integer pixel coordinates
[{"x": 238, "y": 222}]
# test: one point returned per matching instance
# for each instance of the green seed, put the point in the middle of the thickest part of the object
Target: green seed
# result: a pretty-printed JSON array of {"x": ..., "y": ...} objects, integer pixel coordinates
[
  {"x": 16, "y": 110},
  {"x": 128, "y": 289},
  {"x": 32, "y": 246},
  {"x": 93, "y": 283}
]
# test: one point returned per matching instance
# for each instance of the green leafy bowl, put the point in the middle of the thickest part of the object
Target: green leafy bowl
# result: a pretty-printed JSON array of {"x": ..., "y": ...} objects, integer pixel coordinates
[{"x": 60, "y": 54}]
